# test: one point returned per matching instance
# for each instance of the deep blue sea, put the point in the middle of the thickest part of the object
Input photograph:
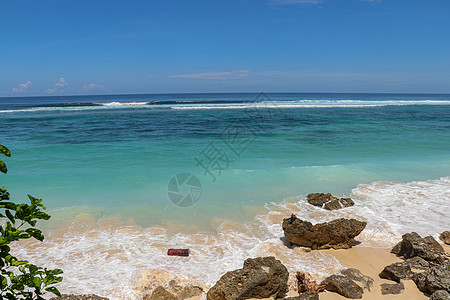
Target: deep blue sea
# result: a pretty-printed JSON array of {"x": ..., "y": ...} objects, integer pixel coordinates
[{"x": 127, "y": 176}]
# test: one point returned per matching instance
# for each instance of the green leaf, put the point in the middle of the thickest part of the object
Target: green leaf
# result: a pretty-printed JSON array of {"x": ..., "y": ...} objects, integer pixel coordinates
[
  {"x": 10, "y": 216},
  {"x": 3, "y": 167},
  {"x": 53, "y": 290},
  {"x": 5, "y": 151}
]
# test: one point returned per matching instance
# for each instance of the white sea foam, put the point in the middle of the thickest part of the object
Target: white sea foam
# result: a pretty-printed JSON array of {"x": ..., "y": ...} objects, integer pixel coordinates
[
  {"x": 107, "y": 258},
  {"x": 243, "y": 105}
]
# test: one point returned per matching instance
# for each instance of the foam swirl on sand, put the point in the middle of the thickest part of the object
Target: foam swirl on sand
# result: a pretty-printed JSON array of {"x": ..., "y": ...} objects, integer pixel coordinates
[{"x": 114, "y": 259}]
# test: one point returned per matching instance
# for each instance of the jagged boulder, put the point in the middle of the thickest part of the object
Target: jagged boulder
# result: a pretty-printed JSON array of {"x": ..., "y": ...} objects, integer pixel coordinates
[
  {"x": 413, "y": 245},
  {"x": 344, "y": 286},
  {"x": 365, "y": 281},
  {"x": 319, "y": 199},
  {"x": 337, "y": 234},
  {"x": 418, "y": 263},
  {"x": 396, "y": 288},
  {"x": 440, "y": 295},
  {"x": 397, "y": 271},
  {"x": 259, "y": 278},
  {"x": 445, "y": 237},
  {"x": 434, "y": 279},
  {"x": 328, "y": 201}
]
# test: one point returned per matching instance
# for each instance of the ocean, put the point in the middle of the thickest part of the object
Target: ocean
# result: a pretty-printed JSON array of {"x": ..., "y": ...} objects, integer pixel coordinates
[{"x": 125, "y": 177}]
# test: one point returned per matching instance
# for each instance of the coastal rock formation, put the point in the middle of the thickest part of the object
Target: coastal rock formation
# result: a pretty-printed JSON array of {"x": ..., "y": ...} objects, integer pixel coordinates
[
  {"x": 174, "y": 292},
  {"x": 413, "y": 245},
  {"x": 328, "y": 201},
  {"x": 161, "y": 293},
  {"x": 356, "y": 275},
  {"x": 440, "y": 295},
  {"x": 418, "y": 263},
  {"x": 305, "y": 296},
  {"x": 434, "y": 279},
  {"x": 344, "y": 286},
  {"x": 394, "y": 289},
  {"x": 445, "y": 237},
  {"x": 337, "y": 234},
  {"x": 259, "y": 278},
  {"x": 397, "y": 271},
  {"x": 79, "y": 297}
]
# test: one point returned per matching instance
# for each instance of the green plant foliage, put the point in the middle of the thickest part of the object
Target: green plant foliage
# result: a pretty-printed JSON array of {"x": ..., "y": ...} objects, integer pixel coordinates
[{"x": 20, "y": 279}]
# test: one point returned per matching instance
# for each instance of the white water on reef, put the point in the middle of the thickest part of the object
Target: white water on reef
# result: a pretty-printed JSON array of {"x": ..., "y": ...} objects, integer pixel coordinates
[{"x": 113, "y": 258}]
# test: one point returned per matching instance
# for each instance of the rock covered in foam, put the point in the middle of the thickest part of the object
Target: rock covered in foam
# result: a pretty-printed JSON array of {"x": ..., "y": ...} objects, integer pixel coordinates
[
  {"x": 164, "y": 285},
  {"x": 337, "y": 234},
  {"x": 413, "y": 244},
  {"x": 259, "y": 278},
  {"x": 445, "y": 237},
  {"x": 329, "y": 201}
]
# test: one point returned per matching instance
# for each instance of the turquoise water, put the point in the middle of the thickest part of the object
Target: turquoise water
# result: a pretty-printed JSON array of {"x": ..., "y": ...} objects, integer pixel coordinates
[
  {"x": 116, "y": 160},
  {"x": 104, "y": 165}
]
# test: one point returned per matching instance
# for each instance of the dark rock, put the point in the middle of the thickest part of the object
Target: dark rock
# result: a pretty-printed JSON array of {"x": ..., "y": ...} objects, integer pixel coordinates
[
  {"x": 445, "y": 237},
  {"x": 328, "y": 201},
  {"x": 395, "y": 288},
  {"x": 343, "y": 286},
  {"x": 337, "y": 234},
  {"x": 413, "y": 245},
  {"x": 356, "y": 275},
  {"x": 418, "y": 263},
  {"x": 161, "y": 293},
  {"x": 259, "y": 278},
  {"x": 338, "y": 204},
  {"x": 319, "y": 199},
  {"x": 434, "y": 279},
  {"x": 397, "y": 271},
  {"x": 440, "y": 295},
  {"x": 305, "y": 296},
  {"x": 79, "y": 297}
]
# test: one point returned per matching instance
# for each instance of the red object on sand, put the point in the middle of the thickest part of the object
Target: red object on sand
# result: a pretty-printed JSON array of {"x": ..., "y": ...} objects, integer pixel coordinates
[{"x": 178, "y": 252}]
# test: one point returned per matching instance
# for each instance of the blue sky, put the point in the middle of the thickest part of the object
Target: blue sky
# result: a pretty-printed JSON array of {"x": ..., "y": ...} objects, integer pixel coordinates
[{"x": 168, "y": 46}]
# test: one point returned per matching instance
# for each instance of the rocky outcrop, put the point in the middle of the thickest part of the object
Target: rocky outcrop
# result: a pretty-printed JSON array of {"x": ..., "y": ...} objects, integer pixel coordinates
[
  {"x": 174, "y": 292},
  {"x": 418, "y": 263},
  {"x": 305, "y": 296},
  {"x": 344, "y": 286},
  {"x": 427, "y": 248},
  {"x": 394, "y": 289},
  {"x": 397, "y": 271},
  {"x": 259, "y": 278},
  {"x": 161, "y": 293},
  {"x": 440, "y": 295},
  {"x": 337, "y": 234},
  {"x": 445, "y": 237},
  {"x": 79, "y": 297},
  {"x": 328, "y": 201},
  {"x": 365, "y": 281},
  {"x": 434, "y": 279}
]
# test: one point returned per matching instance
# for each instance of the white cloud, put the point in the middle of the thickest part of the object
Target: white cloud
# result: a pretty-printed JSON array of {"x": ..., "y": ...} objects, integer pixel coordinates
[
  {"x": 93, "y": 87},
  {"x": 23, "y": 87},
  {"x": 215, "y": 75},
  {"x": 59, "y": 86}
]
